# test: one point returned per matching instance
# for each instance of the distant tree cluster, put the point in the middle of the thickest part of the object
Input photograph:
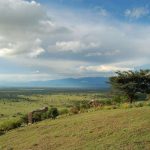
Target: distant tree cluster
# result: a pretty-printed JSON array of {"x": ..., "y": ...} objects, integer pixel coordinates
[{"x": 131, "y": 82}]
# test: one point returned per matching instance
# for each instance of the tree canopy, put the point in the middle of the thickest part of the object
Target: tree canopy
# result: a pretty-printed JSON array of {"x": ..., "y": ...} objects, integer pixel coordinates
[{"x": 131, "y": 82}]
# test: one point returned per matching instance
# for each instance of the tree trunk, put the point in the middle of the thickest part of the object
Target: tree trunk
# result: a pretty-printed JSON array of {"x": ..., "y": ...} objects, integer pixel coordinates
[{"x": 131, "y": 100}]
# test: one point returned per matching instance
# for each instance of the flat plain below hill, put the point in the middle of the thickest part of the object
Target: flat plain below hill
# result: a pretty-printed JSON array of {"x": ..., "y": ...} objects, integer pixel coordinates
[{"x": 119, "y": 129}]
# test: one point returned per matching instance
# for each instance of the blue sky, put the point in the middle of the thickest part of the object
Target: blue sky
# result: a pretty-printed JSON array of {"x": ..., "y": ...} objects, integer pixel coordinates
[
  {"x": 110, "y": 4},
  {"x": 115, "y": 7},
  {"x": 51, "y": 39}
]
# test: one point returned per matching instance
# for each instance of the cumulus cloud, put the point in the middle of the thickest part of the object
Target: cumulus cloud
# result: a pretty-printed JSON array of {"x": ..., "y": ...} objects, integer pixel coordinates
[
  {"x": 24, "y": 27},
  {"x": 64, "y": 45},
  {"x": 69, "y": 46},
  {"x": 75, "y": 46},
  {"x": 137, "y": 12},
  {"x": 103, "y": 68}
]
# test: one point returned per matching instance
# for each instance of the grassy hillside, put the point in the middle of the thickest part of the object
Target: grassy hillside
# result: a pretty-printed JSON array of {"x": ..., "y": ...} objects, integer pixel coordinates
[{"x": 100, "y": 130}]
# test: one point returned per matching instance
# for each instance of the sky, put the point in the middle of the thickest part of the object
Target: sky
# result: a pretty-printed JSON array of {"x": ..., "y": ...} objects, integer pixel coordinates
[{"x": 54, "y": 39}]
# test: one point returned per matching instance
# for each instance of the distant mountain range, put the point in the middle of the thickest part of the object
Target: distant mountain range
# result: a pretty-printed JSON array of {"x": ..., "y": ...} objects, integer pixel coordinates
[{"x": 87, "y": 82}]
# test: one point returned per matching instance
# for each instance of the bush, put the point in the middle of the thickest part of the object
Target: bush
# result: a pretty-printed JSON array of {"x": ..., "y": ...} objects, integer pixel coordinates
[
  {"x": 53, "y": 113},
  {"x": 105, "y": 102},
  {"x": 140, "y": 104},
  {"x": 74, "y": 110},
  {"x": 44, "y": 116},
  {"x": 76, "y": 104},
  {"x": 75, "y": 107},
  {"x": 107, "y": 107},
  {"x": 63, "y": 111},
  {"x": 79, "y": 106},
  {"x": 126, "y": 105},
  {"x": 84, "y": 105},
  {"x": 114, "y": 106},
  {"x": 1, "y": 132},
  {"x": 118, "y": 98},
  {"x": 2, "y": 115},
  {"x": 147, "y": 103},
  {"x": 10, "y": 124},
  {"x": 140, "y": 96},
  {"x": 36, "y": 116},
  {"x": 24, "y": 118}
]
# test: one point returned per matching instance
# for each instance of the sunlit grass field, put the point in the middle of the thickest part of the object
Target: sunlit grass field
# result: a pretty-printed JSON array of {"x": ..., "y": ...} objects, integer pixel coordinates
[
  {"x": 22, "y": 102},
  {"x": 123, "y": 127},
  {"x": 119, "y": 129}
]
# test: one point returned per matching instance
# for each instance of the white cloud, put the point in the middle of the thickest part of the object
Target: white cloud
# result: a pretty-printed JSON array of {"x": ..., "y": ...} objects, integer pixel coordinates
[
  {"x": 75, "y": 46},
  {"x": 4, "y": 52},
  {"x": 137, "y": 12},
  {"x": 103, "y": 68},
  {"x": 69, "y": 44},
  {"x": 24, "y": 28}
]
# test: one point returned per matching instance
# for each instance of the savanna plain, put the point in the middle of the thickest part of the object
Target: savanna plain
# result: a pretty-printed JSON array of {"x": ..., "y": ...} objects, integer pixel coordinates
[{"x": 109, "y": 123}]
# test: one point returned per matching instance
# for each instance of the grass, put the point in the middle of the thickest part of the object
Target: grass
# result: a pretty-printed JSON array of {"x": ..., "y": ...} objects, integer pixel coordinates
[
  {"x": 127, "y": 129},
  {"x": 99, "y": 129},
  {"x": 12, "y": 108}
]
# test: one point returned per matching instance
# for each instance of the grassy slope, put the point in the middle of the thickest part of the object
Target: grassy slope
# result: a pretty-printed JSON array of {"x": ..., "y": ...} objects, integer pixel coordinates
[{"x": 99, "y": 130}]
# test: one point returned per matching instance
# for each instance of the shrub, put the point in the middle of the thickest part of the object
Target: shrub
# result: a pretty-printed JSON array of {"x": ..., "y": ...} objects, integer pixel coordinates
[
  {"x": 84, "y": 104},
  {"x": 24, "y": 118},
  {"x": 82, "y": 110},
  {"x": 147, "y": 103},
  {"x": 1, "y": 132},
  {"x": 36, "y": 116},
  {"x": 19, "y": 113},
  {"x": 1, "y": 115},
  {"x": 126, "y": 105},
  {"x": 114, "y": 106},
  {"x": 44, "y": 116},
  {"x": 105, "y": 102},
  {"x": 77, "y": 105},
  {"x": 107, "y": 107},
  {"x": 63, "y": 111},
  {"x": 140, "y": 104},
  {"x": 10, "y": 124},
  {"x": 140, "y": 96},
  {"x": 53, "y": 113},
  {"x": 74, "y": 110},
  {"x": 118, "y": 98}
]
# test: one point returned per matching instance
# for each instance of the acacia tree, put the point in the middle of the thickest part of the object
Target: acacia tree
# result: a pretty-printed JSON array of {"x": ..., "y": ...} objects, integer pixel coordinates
[{"x": 131, "y": 82}]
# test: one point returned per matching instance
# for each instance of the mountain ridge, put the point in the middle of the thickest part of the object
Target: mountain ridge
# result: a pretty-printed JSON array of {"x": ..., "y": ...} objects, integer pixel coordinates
[{"x": 84, "y": 82}]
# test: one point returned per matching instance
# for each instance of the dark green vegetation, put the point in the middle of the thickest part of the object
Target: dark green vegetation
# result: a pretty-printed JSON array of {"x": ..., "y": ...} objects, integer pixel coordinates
[
  {"x": 39, "y": 116},
  {"x": 132, "y": 82}
]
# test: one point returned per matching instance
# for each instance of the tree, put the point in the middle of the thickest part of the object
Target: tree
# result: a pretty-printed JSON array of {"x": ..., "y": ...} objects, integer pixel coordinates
[{"x": 131, "y": 82}]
